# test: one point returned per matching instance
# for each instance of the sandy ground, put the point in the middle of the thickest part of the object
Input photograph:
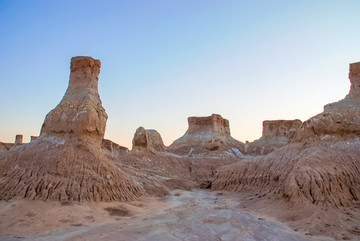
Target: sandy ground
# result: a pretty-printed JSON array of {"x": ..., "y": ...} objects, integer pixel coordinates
[{"x": 184, "y": 215}]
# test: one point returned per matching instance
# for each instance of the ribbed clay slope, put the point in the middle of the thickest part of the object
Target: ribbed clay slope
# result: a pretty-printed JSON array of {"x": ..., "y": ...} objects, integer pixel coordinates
[{"x": 321, "y": 166}]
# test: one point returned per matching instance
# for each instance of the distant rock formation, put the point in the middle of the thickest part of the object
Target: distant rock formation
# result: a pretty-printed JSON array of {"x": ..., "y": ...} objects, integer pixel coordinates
[
  {"x": 321, "y": 165},
  {"x": 205, "y": 135},
  {"x": 7, "y": 146},
  {"x": 276, "y": 133},
  {"x": 147, "y": 139},
  {"x": 340, "y": 118},
  {"x": 18, "y": 139},
  {"x": 208, "y": 124},
  {"x": 66, "y": 162}
]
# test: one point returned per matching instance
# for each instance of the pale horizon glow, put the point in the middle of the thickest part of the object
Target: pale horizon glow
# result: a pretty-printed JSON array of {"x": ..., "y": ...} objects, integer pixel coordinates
[{"x": 164, "y": 61}]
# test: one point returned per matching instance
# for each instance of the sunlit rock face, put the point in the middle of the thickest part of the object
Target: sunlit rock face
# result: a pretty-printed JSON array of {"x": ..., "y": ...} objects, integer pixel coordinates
[
  {"x": 276, "y": 133},
  {"x": 210, "y": 134},
  {"x": 147, "y": 139},
  {"x": 80, "y": 113}
]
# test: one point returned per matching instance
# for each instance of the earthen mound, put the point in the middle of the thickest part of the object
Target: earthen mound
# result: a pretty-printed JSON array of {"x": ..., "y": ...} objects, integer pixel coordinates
[
  {"x": 276, "y": 133},
  {"x": 207, "y": 136},
  {"x": 147, "y": 139},
  {"x": 66, "y": 162},
  {"x": 321, "y": 166}
]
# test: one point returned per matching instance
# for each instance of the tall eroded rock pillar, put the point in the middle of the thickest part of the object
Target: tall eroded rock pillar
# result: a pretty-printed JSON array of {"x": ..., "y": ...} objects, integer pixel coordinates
[
  {"x": 352, "y": 100},
  {"x": 18, "y": 139},
  {"x": 80, "y": 112},
  {"x": 354, "y": 76}
]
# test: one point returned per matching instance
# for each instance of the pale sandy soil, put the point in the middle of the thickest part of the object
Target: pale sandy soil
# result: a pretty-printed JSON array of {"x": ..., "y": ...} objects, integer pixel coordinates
[{"x": 184, "y": 215}]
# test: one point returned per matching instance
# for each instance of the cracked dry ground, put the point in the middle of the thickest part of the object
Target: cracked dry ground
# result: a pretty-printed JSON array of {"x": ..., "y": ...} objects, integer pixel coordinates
[{"x": 184, "y": 215}]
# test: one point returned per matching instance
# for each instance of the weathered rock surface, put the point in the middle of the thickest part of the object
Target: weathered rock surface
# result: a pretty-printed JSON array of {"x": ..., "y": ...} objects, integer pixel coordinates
[
  {"x": 276, "y": 133},
  {"x": 113, "y": 148},
  {"x": 147, "y": 139},
  {"x": 321, "y": 166},
  {"x": 66, "y": 162},
  {"x": 207, "y": 135}
]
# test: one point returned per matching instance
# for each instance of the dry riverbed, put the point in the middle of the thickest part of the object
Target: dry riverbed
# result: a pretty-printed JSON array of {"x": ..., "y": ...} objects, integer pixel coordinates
[{"x": 184, "y": 215}]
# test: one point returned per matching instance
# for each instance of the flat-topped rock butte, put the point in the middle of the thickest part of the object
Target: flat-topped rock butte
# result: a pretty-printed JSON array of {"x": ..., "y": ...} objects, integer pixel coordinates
[
  {"x": 304, "y": 174},
  {"x": 276, "y": 133},
  {"x": 205, "y": 135},
  {"x": 209, "y": 124}
]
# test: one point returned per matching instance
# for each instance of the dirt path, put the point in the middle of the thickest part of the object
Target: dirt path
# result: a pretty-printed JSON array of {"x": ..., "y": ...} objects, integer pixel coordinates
[{"x": 197, "y": 215}]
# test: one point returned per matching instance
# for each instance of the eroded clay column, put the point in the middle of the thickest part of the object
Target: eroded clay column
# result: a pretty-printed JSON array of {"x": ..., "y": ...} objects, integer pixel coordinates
[
  {"x": 354, "y": 76},
  {"x": 18, "y": 139},
  {"x": 80, "y": 112}
]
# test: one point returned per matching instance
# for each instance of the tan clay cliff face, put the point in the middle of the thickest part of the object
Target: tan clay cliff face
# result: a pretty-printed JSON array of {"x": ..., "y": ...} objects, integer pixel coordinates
[
  {"x": 80, "y": 112},
  {"x": 147, "y": 139}
]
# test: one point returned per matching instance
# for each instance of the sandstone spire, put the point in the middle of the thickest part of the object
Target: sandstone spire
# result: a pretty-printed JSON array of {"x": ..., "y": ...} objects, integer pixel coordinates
[{"x": 80, "y": 112}]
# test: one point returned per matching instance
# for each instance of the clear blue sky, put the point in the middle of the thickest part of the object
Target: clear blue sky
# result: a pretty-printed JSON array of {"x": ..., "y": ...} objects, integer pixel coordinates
[{"x": 163, "y": 61}]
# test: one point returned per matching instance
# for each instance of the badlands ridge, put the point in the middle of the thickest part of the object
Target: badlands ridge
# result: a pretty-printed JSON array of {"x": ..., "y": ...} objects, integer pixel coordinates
[{"x": 300, "y": 169}]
